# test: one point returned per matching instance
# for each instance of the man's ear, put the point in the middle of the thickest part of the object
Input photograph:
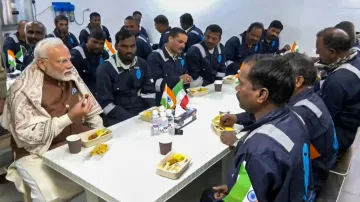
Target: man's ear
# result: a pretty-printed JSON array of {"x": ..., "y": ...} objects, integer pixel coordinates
[
  {"x": 40, "y": 63},
  {"x": 263, "y": 95},
  {"x": 299, "y": 81}
]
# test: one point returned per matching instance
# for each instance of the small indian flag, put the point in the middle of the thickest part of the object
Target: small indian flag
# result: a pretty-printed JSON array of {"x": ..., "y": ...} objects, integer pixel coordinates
[
  {"x": 11, "y": 58},
  {"x": 238, "y": 74},
  {"x": 243, "y": 190},
  {"x": 108, "y": 47},
  {"x": 168, "y": 99},
  {"x": 181, "y": 97},
  {"x": 294, "y": 48}
]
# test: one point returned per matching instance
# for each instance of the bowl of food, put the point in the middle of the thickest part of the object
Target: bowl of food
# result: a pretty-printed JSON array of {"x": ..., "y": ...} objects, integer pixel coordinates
[
  {"x": 173, "y": 165},
  {"x": 198, "y": 91},
  {"x": 147, "y": 114},
  {"x": 230, "y": 79},
  {"x": 218, "y": 128},
  {"x": 95, "y": 137}
]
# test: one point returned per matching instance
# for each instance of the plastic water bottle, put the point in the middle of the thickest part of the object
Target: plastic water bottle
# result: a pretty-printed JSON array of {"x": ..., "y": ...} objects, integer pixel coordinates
[
  {"x": 155, "y": 121},
  {"x": 171, "y": 123},
  {"x": 164, "y": 124}
]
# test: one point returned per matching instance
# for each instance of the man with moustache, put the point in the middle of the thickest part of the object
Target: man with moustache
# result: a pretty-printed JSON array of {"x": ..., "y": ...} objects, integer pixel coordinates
[
  {"x": 87, "y": 57},
  {"x": 167, "y": 65},
  {"x": 62, "y": 31},
  {"x": 35, "y": 31},
  {"x": 124, "y": 85},
  {"x": 95, "y": 22},
  {"x": 270, "y": 42},
  {"x": 48, "y": 103},
  {"x": 239, "y": 47},
  {"x": 138, "y": 15}
]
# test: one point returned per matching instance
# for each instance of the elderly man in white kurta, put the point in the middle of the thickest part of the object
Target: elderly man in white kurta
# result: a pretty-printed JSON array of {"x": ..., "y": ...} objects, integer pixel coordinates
[{"x": 43, "y": 107}]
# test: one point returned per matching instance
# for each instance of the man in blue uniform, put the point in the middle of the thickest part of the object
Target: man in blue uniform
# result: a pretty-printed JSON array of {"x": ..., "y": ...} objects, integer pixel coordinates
[
  {"x": 339, "y": 90},
  {"x": 162, "y": 26},
  {"x": 17, "y": 44},
  {"x": 349, "y": 28},
  {"x": 238, "y": 47},
  {"x": 143, "y": 47},
  {"x": 205, "y": 60},
  {"x": 270, "y": 42},
  {"x": 137, "y": 15},
  {"x": 35, "y": 31},
  {"x": 87, "y": 57},
  {"x": 195, "y": 35},
  {"x": 167, "y": 65},
  {"x": 95, "y": 22},
  {"x": 272, "y": 160},
  {"x": 62, "y": 31},
  {"x": 124, "y": 84}
]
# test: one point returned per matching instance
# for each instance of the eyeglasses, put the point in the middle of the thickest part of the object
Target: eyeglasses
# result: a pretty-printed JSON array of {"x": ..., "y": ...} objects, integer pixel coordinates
[{"x": 61, "y": 62}]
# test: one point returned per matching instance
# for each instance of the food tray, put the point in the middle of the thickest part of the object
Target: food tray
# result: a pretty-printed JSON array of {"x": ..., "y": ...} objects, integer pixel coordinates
[
  {"x": 89, "y": 143},
  {"x": 168, "y": 174},
  {"x": 230, "y": 79},
  {"x": 147, "y": 118},
  {"x": 194, "y": 92},
  {"x": 217, "y": 130}
]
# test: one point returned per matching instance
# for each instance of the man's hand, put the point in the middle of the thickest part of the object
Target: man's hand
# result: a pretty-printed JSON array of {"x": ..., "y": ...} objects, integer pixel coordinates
[
  {"x": 228, "y": 137},
  {"x": 287, "y": 47},
  {"x": 220, "y": 192},
  {"x": 228, "y": 120},
  {"x": 186, "y": 78},
  {"x": 81, "y": 109}
]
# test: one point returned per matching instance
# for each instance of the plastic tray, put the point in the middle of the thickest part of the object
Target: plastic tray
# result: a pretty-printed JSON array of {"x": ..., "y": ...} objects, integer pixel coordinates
[
  {"x": 168, "y": 174},
  {"x": 216, "y": 129},
  {"x": 197, "y": 93},
  {"x": 85, "y": 141},
  {"x": 227, "y": 79},
  {"x": 147, "y": 118}
]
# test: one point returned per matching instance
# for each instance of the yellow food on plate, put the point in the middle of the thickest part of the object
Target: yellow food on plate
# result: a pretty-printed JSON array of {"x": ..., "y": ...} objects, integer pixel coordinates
[
  {"x": 99, "y": 133},
  {"x": 99, "y": 150},
  {"x": 198, "y": 90},
  {"x": 216, "y": 123},
  {"x": 173, "y": 163}
]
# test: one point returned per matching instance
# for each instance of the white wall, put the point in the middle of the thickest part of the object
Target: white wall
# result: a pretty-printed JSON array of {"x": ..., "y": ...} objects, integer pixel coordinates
[{"x": 302, "y": 19}]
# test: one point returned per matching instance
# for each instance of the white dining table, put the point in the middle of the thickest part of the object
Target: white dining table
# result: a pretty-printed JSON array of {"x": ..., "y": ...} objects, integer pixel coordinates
[{"x": 127, "y": 172}]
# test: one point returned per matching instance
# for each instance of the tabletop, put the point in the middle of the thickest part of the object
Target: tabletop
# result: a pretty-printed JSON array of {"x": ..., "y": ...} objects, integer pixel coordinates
[{"x": 127, "y": 172}]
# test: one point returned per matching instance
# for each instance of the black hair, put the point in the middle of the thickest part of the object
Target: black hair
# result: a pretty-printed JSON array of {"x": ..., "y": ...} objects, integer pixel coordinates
[
  {"x": 214, "y": 28},
  {"x": 255, "y": 25},
  {"x": 161, "y": 19},
  {"x": 94, "y": 14},
  {"x": 98, "y": 34},
  {"x": 275, "y": 74},
  {"x": 122, "y": 35},
  {"x": 349, "y": 28},
  {"x": 333, "y": 39},
  {"x": 137, "y": 13},
  {"x": 276, "y": 24},
  {"x": 130, "y": 18},
  {"x": 302, "y": 66},
  {"x": 187, "y": 19},
  {"x": 174, "y": 32},
  {"x": 256, "y": 57},
  {"x": 60, "y": 17}
]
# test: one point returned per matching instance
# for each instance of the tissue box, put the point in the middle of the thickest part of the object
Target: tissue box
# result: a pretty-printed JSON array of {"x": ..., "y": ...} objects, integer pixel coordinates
[{"x": 185, "y": 118}]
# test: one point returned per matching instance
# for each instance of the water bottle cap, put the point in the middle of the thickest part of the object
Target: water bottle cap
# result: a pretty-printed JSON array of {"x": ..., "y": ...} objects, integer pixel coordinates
[
  {"x": 168, "y": 112},
  {"x": 161, "y": 108}
]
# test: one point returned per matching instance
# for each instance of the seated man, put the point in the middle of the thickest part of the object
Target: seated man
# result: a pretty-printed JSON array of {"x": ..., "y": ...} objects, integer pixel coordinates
[
  {"x": 205, "y": 60},
  {"x": 87, "y": 57},
  {"x": 16, "y": 43},
  {"x": 95, "y": 22},
  {"x": 124, "y": 85},
  {"x": 143, "y": 47},
  {"x": 43, "y": 107},
  {"x": 62, "y": 31},
  {"x": 238, "y": 47},
  {"x": 137, "y": 15},
  {"x": 167, "y": 65},
  {"x": 162, "y": 26},
  {"x": 339, "y": 90},
  {"x": 34, "y": 32},
  {"x": 271, "y": 161},
  {"x": 195, "y": 35},
  {"x": 270, "y": 41}
]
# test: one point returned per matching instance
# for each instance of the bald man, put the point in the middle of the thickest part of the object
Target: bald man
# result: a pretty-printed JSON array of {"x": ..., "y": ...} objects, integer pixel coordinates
[
  {"x": 16, "y": 44},
  {"x": 349, "y": 28},
  {"x": 35, "y": 31},
  {"x": 340, "y": 90}
]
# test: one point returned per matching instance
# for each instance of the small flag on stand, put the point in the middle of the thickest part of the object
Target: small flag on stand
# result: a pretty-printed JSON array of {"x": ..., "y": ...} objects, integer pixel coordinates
[
  {"x": 168, "y": 99},
  {"x": 181, "y": 97},
  {"x": 108, "y": 47},
  {"x": 11, "y": 59},
  {"x": 294, "y": 48}
]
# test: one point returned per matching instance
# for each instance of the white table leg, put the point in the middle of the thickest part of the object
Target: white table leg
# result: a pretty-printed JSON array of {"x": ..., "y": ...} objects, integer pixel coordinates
[{"x": 90, "y": 197}]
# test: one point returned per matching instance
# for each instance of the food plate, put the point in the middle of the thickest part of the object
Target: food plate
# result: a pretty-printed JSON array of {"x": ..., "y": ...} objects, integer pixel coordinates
[
  {"x": 95, "y": 137},
  {"x": 230, "y": 79},
  {"x": 173, "y": 165},
  {"x": 147, "y": 114},
  {"x": 218, "y": 129},
  {"x": 199, "y": 91}
]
